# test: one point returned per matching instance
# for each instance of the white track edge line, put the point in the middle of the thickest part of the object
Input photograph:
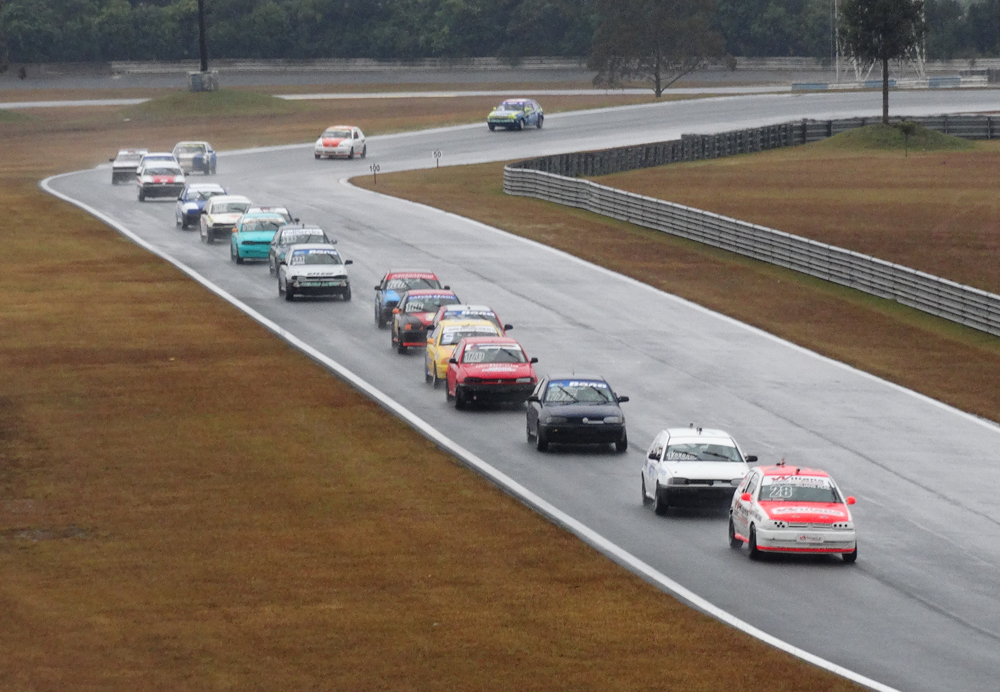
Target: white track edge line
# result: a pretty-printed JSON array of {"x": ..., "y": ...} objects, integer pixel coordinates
[{"x": 588, "y": 535}]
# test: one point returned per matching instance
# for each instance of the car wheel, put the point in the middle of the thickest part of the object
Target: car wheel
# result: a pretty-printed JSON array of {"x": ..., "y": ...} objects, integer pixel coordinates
[
  {"x": 232, "y": 252},
  {"x": 351, "y": 154},
  {"x": 527, "y": 432},
  {"x": 347, "y": 295},
  {"x": 520, "y": 125},
  {"x": 177, "y": 220},
  {"x": 271, "y": 269},
  {"x": 734, "y": 542},
  {"x": 318, "y": 156},
  {"x": 399, "y": 345},
  {"x": 754, "y": 553},
  {"x": 281, "y": 291},
  {"x": 460, "y": 402},
  {"x": 142, "y": 195},
  {"x": 541, "y": 444},
  {"x": 289, "y": 296},
  {"x": 541, "y": 119},
  {"x": 621, "y": 445},
  {"x": 851, "y": 557},
  {"x": 239, "y": 260},
  {"x": 364, "y": 152},
  {"x": 660, "y": 504},
  {"x": 491, "y": 126},
  {"x": 646, "y": 500},
  {"x": 201, "y": 235},
  {"x": 427, "y": 375},
  {"x": 184, "y": 223}
]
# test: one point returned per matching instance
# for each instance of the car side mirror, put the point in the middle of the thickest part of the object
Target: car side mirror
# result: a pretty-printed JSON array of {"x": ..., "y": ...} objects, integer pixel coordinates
[
  {"x": 395, "y": 311},
  {"x": 851, "y": 500},
  {"x": 447, "y": 288},
  {"x": 533, "y": 361},
  {"x": 745, "y": 497},
  {"x": 751, "y": 458},
  {"x": 508, "y": 327},
  {"x": 181, "y": 198},
  {"x": 534, "y": 398},
  {"x": 348, "y": 261},
  {"x": 296, "y": 220},
  {"x": 622, "y": 399},
  {"x": 378, "y": 288},
  {"x": 453, "y": 361},
  {"x": 653, "y": 455},
  {"x": 111, "y": 160},
  {"x": 284, "y": 262},
  {"x": 203, "y": 211}
]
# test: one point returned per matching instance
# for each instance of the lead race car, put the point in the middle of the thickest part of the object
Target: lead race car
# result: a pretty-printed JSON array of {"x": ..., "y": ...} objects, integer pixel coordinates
[
  {"x": 786, "y": 509},
  {"x": 516, "y": 114},
  {"x": 341, "y": 141}
]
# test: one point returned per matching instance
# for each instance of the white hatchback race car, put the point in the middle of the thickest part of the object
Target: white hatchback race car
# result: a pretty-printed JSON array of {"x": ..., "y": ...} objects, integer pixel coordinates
[
  {"x": 687, "y": 466},
  {"x": 313, "y": 269},
  {"x": 341, "y": 141},
  {"x": 161, "y": 179},
  {"x": 220, "y": 215},
  {"x": 787, "y": 509}
]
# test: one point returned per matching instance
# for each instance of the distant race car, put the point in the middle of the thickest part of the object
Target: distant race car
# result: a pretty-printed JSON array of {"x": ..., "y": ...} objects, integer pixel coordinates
[
  {"x": 195, "y": 156},
  {"x": 576, "y": 409},
  {"x": 124, "y": 165},
  {"x": 283, "y": 211},
  {"x": 220, "y": 216},
  {"x": 150, "y": 158},
  {"x": 289, "y": 235},
  {"x": 442, "y": 341},
  {"x": 253, "y": 234},
  {"x": 489, "y": 370},
  {"x": 160, "y": 179},
  {"x": 413, "y": 315},
  {"x": 788, "y": 509},
  {"x": 396, "y": 283},
  {"x": 516, "y": 114},
  {"x": 687, "y": 466},
  {"x": 460, "y": 311},
  {"x": 341, "y": 141},
  {"x": 192, "y": 200},
  {"x": 313, "y": 269}
]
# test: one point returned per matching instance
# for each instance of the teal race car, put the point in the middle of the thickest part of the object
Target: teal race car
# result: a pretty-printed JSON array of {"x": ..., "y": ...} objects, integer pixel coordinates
[
  {"x": 253, "y": 234},
  {"x": 516, "y": 114}
]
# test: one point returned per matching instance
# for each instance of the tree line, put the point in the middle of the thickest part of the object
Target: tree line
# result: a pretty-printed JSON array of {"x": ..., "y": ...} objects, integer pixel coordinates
[{"x": 102, "y": 30}]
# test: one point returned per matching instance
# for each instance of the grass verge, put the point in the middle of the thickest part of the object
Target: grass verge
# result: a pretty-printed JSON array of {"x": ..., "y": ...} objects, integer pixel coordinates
[{"x": 173, "y": 517}]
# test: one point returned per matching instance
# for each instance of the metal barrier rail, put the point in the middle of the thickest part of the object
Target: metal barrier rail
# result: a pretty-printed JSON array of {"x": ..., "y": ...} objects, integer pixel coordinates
[{"x": 948, "y": 299}]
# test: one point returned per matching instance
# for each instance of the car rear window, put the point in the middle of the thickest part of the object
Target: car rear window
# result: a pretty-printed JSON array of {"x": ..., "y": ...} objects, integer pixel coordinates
[
  {"x": 493, "y": 353},
  {"x": 428, "y": 303},
  {"x": 320, "y": 256},
  {"x": 798, "y": 489},
  {"x": 701, "y": 451},
  {"x": 578, "y": 392},
  {"x": 452, "y": 335}
]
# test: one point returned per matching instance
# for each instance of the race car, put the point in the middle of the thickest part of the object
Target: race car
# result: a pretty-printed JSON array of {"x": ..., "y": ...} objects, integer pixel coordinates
[
  {"x": 442, "y": 341},
  {"x": 283, "y": 211},
  {"x": 341, "y": 141},
  {"x": 160, "y": 179},
  {"x": 154, "y": 157},
  {"x": 220, "y": 216},
  {"x": 413, "y": 315},
  {"x": 195, "y": 156},
  {"x": 289, "y": 235},
  {"x": 396, "y": 283},
  {"x": 124, "y": 165},
  {"x": 575, "y": 409},
  {"x": 462, "y": 311},
  {"x": 790, "y": 509},
  {"x": 489, "y": 370},
  {"x": 686, "y": 466},
  {"x": 192, "y": 200},
  {"x": 253, "y": 234},
  {"x": 314, "y": 269},
  {"x": 516, "y": 114}
]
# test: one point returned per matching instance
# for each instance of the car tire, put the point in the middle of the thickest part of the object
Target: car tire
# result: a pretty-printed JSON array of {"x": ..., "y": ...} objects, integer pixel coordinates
[
  {"x": 541, "y": 444},
  {"x": 752, "y": 543},
  {"x": 239, "y": 260},
  {"x": 660, "y": 504},
  {"x": 491, "y": 126},
  {"x": 541, "y": 119},
  {"x": 460, "y": 402},
  {"x": 519, "y": 126},
  {"x": 851, "y": 557},
  {"x": 289, "y": 296},
  {"x": 351, "y": 154},
  {"x": 621, "y": 446},
  {"x": 317, "y": 156},
  {"x": 184, "y": 223},
  {"x": 177, "y": 219},
  {"x": 646, "y": 499},
  {"x": 346, "y": 295},
  {"x": 281, "y": 291},
  {"x": 364, "y": 152},
  {"x": 142, "y": 195},
  {"x": 427, "y": 375},
  {"x": 232, "y": 253},
  {"x": 201, "y": 235},
  {"x": 734, "y": 542}
]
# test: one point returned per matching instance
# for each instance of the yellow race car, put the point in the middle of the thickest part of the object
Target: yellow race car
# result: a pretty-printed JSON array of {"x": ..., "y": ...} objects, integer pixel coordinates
[{"x": 442, "y": 340}]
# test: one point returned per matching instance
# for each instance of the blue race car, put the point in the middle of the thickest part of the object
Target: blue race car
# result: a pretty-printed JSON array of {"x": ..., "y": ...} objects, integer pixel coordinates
[
  {"x": 395, "y": 284},
  {"x": 516, "y": 114},
  {"x": 192, "y": 201},
  {"x": 253, "y": 234}
]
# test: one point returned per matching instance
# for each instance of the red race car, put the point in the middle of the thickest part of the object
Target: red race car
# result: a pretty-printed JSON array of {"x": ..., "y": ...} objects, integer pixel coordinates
[
  {"x": 414, "y": 314},
  {"x": 489, "y": 369}
]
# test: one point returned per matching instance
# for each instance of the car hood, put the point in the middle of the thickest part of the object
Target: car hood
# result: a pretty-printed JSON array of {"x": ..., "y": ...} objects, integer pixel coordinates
[
  {"x": 583, "y": 410},
  {"x": 502, "y": 112},
  {"x": 332, "y": 141},
  {"x": 257, "y": 235},
  {"x": 811, "y": 512},
  {"x": 498, "y": 371},
  {"x": 707, "y": 470},
  {"x": 225, "y": 218}
]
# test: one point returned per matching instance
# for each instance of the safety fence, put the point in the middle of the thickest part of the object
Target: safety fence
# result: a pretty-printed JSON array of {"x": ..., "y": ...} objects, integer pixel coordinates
[{"x": 554, "y": 179}]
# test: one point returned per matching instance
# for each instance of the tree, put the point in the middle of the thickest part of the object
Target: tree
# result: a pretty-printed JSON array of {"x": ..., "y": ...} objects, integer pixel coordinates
[
  {"x": 880, "y": 31},
  {"x": 655, "y": 41},
  {"x": 202, "y": 40}
]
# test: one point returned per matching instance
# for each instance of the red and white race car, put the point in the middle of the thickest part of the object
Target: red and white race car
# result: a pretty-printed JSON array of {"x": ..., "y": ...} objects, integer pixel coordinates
[
  {"x": 341, "y": 141},
  {"x": 789, "y": 509},
  {"x": 489, "y": 369}
]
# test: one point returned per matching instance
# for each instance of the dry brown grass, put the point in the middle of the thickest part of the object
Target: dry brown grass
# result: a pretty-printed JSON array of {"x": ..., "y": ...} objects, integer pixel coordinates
[
  {"x": 171, "y": 519},
  {"x": 943, "y": 360}
]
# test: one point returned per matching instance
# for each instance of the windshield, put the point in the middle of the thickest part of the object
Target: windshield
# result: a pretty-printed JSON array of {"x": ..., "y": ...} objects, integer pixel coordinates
[
  {"x": 315, "y": 257},
  {"x": 202, "y": 195},
  {"x": 230, "y": 208},
  {"x": 471, "y": 314},
  {"x": 162, "y": 170},
  {"x": 265, "y": 224},
  {"x": 452, "y": 335},
  {"x": 190, "y": 148},
  {"x": 798, "y": 489},
  {"x": 411, "y": 283},
  {"x": 129, "y": 158},
  {"x": 294, "y": 238},
  {"x": 494, "y": 353},
  {"x": 578, "y": 392},
  {"x": 511, "y": 106},
  {"x": 337, "y": 134},
  {"x": 428, "y": 303},
  {"x": 702, "y": 451}
]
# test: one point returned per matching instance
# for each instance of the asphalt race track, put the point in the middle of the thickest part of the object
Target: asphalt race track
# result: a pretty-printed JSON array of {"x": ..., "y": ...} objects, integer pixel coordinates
[{"x": 920, "y": 609}]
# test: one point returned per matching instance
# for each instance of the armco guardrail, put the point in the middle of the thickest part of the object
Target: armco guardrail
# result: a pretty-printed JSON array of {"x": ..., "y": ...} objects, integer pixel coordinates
[{"x": 948, "y": 299}]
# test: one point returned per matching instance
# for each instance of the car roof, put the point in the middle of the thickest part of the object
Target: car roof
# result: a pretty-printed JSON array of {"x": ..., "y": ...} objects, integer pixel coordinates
[
  {"x": 505, "y": 340},
  {"x": 205, "y": 186},
  {"x": 789, "y": 470},
  {"x": 342, "y": 127},
  {"x": 314, "y": 246},
  {"x": 430, "y": 292},
  {"x": 190, "y": 141},
  {"x": 460, "y": 307},
  {"x": 258, "y": 214},
  {"x": 142, "y": 152},
  {"x": 230, "y": 198},
  {"x": 710, "y": 435},
  {"x": 410, "y": 274},
  {"x": 465, "y": 322},
  {"x": 563, "y": 376},
  {"x": 301, "y": 227},
  {"x": 158, "y": 154},
  {"x": 268, "y": 209}
]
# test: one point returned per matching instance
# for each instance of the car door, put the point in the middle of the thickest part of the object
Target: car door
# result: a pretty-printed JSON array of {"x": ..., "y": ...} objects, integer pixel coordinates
[
  {"x": 535, "y": 407},
  {"x": 359, "y": 141},
  {"x": 651, "y": 464},
  {"x": 432, "y": 340},
  {"x": 741, "y": 507}
]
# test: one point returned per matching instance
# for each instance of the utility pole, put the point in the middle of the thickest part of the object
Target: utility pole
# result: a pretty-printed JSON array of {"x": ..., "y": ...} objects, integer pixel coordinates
[{"x": 202, "y": 41}]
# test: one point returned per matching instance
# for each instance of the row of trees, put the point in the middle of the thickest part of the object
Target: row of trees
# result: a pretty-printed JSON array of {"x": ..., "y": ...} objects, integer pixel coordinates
[{"x": 98, "y": 30}]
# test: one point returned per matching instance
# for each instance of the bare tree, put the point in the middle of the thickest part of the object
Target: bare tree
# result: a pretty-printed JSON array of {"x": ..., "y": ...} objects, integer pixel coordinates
[
  {"x": 653, "y": 41},
  {"x": 880, "y": 31},
  {"x": 202, "y": 39}
]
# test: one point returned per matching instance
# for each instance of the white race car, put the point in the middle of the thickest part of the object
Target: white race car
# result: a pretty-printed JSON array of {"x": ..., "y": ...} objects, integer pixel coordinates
[
  {"x": 341, "y": 141},
  {"x": 787, "y": 509},
  {"x": 313, "y": 269},
  {"x": 220, "y": 215},
  {"x": 161, "y": 179},
  {"x": 155, "y": 157},
  {"x": 686, "y": 466},
  {"x": 125, "y": 164}
]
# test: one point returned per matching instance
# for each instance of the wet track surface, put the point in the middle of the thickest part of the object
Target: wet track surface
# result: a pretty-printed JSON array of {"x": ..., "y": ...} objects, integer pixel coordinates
[{"x": 919, "y": 611}]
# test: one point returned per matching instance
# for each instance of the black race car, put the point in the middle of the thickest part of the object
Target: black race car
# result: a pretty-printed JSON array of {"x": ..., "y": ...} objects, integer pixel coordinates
[{"x": 576, "y": 409}]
